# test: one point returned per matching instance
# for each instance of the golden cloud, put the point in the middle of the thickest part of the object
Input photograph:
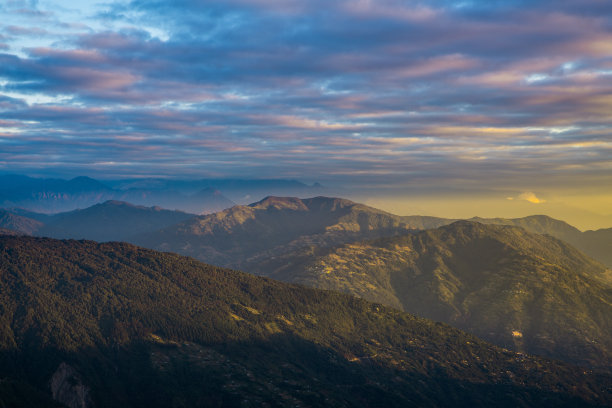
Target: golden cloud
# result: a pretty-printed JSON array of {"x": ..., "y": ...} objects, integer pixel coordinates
[{"x": 530, "y": 197}]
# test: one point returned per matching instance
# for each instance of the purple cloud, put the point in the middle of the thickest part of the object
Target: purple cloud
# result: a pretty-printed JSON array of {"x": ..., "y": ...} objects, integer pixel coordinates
[{"x": 354, "y": 92}]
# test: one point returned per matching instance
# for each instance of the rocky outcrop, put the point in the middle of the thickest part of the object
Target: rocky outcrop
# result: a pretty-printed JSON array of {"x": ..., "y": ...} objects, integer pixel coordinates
[{"x": 68, "y": 388}]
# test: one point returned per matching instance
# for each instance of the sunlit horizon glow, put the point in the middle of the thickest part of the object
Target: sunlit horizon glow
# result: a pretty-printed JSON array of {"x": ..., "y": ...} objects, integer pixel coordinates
[{"x": 449, "y": 107}]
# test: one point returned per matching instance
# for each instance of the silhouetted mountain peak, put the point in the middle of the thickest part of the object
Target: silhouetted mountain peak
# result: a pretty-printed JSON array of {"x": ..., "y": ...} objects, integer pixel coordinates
[
  {"x": 207, "y": 192},
  {"x": 82, "y": 184}
]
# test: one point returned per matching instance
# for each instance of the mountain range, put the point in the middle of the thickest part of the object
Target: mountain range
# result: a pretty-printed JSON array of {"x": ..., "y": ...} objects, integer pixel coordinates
[
  {"x": 57, "y": 195},
  {"x": 335, "y": 221},
  {"x": 273, "y": 226},
  {"x": 314, "y": 241},
  {"x": 242, "y": 191},
  {"x": 523, "y": 291},
  {"x": 49, "y": 196},
  {"x": 242, "y": 235},
  {"x": 597, "y": 244},
  {"x": 86, "y": 325}
]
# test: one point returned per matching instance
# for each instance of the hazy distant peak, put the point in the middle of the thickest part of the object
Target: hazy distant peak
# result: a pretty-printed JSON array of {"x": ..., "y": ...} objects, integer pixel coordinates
[
  {"x": 126, "y": 206},
  {"x": 87, "y": 183},
  {"x": 540, "y": 224},
  {"x": 118, "y": 203},
  {"x": 83, "y": 179},
  {"x": 546, "y": 220},
  {"x": 206, "y": 191}
]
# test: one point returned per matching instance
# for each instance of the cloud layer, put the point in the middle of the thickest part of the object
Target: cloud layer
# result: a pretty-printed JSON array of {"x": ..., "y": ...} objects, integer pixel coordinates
[{"x": 420, "y": 96}]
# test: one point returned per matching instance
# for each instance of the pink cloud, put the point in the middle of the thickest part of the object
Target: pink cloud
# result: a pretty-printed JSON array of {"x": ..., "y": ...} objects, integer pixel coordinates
[
  {"x": 80, "y": 55},
  {"x": 435, "y": 65},
  {"x": 391, "y": 9},
  {"x": 27, "y": 31},
  {"x": 95, "y": 79}
]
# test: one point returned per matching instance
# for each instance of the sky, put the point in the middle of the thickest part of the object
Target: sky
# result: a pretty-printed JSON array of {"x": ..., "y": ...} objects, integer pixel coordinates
[{"x": 449, "y": 108}]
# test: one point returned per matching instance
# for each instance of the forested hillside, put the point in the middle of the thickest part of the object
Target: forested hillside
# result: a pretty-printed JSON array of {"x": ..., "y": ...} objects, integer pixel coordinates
[
  {"x": 524, "y": 291},
  {"x": 111, "y": 325}
]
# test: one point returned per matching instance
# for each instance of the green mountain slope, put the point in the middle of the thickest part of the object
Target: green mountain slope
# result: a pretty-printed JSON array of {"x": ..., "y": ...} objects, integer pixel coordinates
[
  {"x": 528, "y": 292},
  {"x": 110, "y": 325}
]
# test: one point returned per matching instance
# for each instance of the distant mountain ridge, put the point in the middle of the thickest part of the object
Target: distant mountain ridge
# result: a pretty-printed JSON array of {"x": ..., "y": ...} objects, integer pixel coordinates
[
  {"x": 596, "y": 244},
  {"x": 51, "y": 195},
  {"x": 56, "y": 195},
  {"x": 107, "y": 325},
  {"x": 45, "y": 195},
  {"x": 272, "y": 226},
  {"x": 240, "y": 191},
  {"x": 309, "y": 226},
  {"x": 282, "y": 224},
  {"x": 525, "y": 291},
  {"x": 110, "y": 221}
]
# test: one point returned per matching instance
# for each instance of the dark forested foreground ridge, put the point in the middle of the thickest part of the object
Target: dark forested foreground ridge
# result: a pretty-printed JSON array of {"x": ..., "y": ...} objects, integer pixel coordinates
[
  {"x": 527, "y": 292},
  {"x": 113, "y": 325}
]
